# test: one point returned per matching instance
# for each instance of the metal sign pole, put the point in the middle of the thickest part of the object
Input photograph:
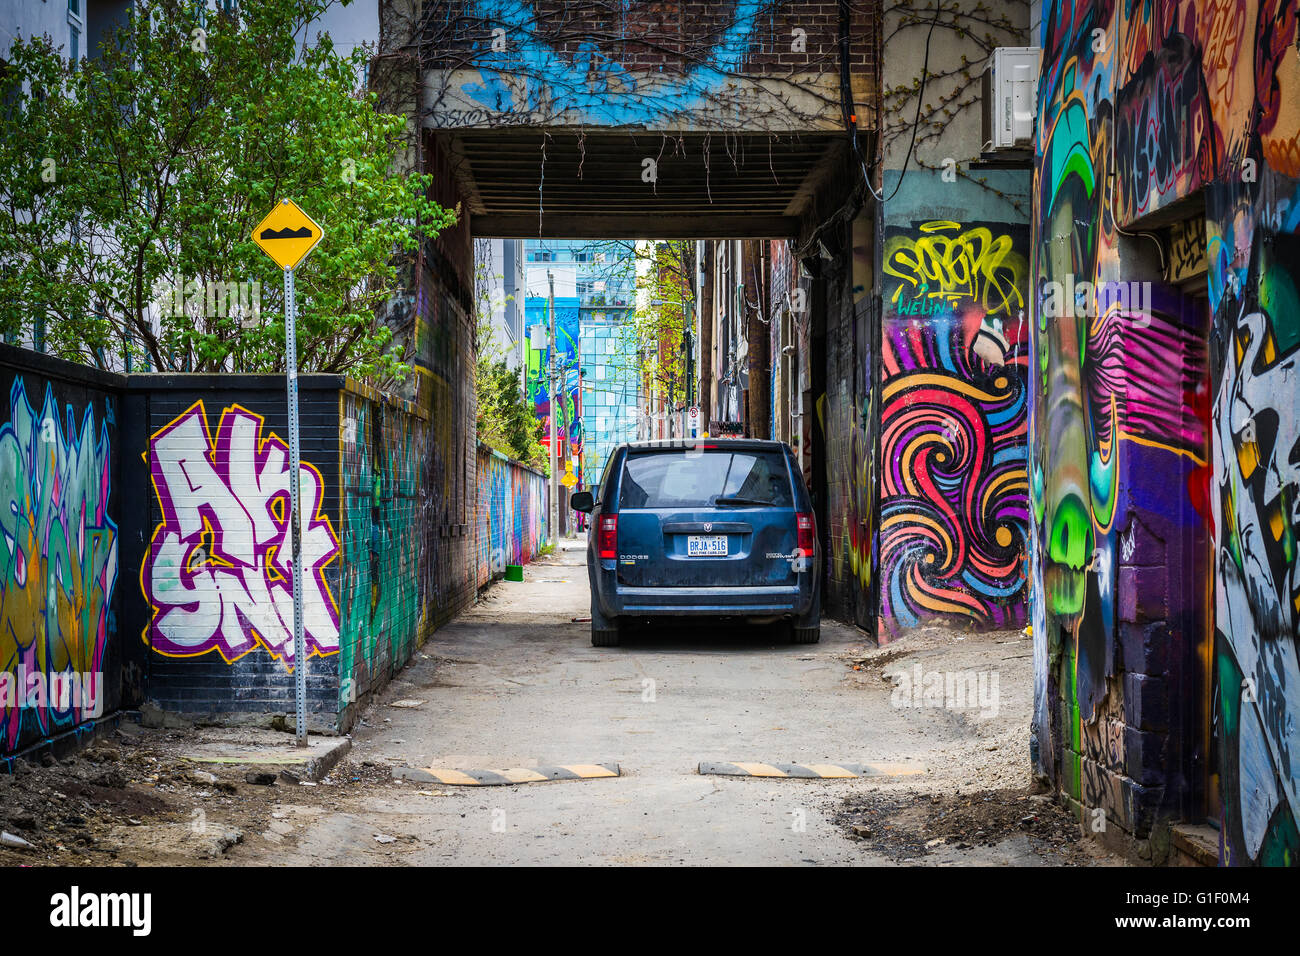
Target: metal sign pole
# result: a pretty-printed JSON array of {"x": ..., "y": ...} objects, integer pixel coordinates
[
  {"x": 295, "y": 519},
  {"x": 554, "y": 515}
]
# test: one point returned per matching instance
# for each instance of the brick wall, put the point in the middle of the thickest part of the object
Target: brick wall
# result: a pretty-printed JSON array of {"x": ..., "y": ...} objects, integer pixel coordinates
[
  {"x": 385, "y": 614},
  {"x": 684, "y": 63},
  {"x": 1164, "y": 429},
  {"x": 663, "y": 35}
]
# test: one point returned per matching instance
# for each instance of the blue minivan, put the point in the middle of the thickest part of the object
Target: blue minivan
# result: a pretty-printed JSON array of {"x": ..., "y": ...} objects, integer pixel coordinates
[{"x": 712, "y": 528}]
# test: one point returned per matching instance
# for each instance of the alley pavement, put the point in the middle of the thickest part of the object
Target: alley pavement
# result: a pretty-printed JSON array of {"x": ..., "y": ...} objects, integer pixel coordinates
[
  {"x": 512, "y": 691},
  {"x": 515, "y": 683}
]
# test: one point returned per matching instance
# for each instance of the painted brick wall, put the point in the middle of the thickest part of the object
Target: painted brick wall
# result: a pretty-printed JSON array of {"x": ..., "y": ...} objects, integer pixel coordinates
[
  {"x": 61, "y": 568},
  {"x": 646, "y": 64},
  {"x": 184, "y": 596},
  {"x": 1165, "y": 434},
  {"x": 666, "y": 35},
  {"x": 511, "y": 519},
  {"x": 445, "y": 363},
  {"x": 214, "y": 586},
  {"x": 385, "y": 562}
]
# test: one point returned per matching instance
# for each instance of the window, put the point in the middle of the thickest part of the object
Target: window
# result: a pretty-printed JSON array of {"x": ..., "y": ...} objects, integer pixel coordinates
[
  {"x": 74, "y": 45},
  {"x": 675, "y": 481}
]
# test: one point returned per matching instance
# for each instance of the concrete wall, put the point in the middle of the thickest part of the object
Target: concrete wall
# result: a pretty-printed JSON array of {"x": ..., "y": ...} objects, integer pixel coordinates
[
  {"x": 61, "y": 567},
  {"x": 953, "y": 504},
  {"x": 1165, "y": 434}
]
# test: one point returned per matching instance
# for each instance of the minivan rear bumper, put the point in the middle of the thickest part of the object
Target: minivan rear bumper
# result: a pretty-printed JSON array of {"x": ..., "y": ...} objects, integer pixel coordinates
[{"x": 792, "y": 600}]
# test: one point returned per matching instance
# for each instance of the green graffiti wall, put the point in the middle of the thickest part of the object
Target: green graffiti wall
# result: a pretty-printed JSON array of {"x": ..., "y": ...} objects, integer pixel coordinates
[{"x": 385, "y": 586}]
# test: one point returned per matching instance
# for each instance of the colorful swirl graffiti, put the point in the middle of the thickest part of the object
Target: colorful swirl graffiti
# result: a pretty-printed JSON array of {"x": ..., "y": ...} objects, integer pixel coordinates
[
  {"x": 58, "y": 557},
  {"x": 954, "y": 495},
  {"x": 218, "y": 574}
]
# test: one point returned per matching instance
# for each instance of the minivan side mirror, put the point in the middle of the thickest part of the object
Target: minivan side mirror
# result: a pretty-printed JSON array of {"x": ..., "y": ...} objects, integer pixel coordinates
[{"x": 582, "y": 501}]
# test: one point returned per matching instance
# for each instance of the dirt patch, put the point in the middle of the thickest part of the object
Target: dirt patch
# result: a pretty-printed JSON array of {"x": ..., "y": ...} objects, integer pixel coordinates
[
  {"x": 911, "y": 825},
  {"x": 66, "y": 810},
  {"x": 133, "y": 800},
  {"x": 872, "y": 662}
]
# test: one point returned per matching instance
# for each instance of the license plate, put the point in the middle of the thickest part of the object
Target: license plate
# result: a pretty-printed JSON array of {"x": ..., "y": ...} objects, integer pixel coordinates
[{"x": 706, "y": 546}]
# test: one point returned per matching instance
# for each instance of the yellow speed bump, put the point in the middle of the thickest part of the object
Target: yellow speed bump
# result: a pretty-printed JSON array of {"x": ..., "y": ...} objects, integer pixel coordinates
[
  {"x": 809, "y": 771},
  {"x": 507, "y": 777}
]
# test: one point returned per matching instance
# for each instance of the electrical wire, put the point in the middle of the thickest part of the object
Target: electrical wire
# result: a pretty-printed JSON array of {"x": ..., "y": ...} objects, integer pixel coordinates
[
  {"x": 849, "y": 111},
  {"x": 916, "y": 120}
]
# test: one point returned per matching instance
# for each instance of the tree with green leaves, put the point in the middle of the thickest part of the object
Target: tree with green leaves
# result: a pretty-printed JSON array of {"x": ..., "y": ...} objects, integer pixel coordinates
[
  {"x": 664, "y": 315},
  {"x": 130, "y": 184},
  {"x": 506, "y": 420}
]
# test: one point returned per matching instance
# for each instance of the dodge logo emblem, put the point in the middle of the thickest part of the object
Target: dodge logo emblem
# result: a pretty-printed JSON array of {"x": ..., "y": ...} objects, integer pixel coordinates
[{"x": 708, "y": 526}]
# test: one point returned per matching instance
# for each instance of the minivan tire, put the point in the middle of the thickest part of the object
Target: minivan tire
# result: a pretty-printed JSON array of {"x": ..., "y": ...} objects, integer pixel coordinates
[
  {"x": 605, "y": 636},
  {"x": 806, "y": 635}
]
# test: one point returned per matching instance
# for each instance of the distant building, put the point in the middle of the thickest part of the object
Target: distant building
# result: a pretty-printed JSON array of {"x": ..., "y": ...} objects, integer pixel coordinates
[
  {"x": 499, "y": 270},
  {"x": 593, "y": 283}
]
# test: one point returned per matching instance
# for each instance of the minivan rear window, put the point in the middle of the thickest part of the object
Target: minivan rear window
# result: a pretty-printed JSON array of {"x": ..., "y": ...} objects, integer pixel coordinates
[{"x": 698, "y": 479}]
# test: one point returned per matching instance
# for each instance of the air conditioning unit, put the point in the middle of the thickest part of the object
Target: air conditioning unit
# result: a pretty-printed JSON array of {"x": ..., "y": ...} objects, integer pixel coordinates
[{"x": 1009, "y": 98}]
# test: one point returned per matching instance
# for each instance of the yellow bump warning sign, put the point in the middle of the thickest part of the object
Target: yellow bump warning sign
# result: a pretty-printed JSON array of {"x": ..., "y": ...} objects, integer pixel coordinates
[{"x": 287, "y": 234}]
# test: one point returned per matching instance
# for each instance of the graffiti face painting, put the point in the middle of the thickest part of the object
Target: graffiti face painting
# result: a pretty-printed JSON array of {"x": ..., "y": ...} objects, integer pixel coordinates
[
  {"x": 219, "y": 572},
  {"x": 1177, "y": 433},
  {"x": 58, "y": 553}
]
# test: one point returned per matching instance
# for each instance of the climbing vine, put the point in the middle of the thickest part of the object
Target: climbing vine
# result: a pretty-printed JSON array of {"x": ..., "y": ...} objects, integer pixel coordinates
[{"x": 952, "y": 87}]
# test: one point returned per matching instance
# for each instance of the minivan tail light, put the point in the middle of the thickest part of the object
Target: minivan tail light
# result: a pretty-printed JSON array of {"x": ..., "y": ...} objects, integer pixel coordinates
[
  {"x": 607, "y": 537},
  {"x": 806, "y": 527}
]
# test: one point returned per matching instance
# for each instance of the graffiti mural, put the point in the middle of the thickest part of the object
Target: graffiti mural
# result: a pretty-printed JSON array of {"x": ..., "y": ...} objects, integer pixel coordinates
[
  {"x": 954, "y": 494},
  {"x": 1165, "y": 439},
  {"x": 58, "y": 562},
  {"x": 1256, "y": 502},
  {"x": 567, "y": 357},
  {"x": 383, "y": 583},
  {"x": 218, "y": 574},
  {"x": 511, "y": 514}
]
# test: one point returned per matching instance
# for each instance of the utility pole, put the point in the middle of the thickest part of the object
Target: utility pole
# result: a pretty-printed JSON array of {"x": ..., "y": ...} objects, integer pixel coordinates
[{"x": 555, "y": 476}]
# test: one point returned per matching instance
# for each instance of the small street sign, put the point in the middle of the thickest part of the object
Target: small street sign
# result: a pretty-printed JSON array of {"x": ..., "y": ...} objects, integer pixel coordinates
[{"x": 287, "y": 234}]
